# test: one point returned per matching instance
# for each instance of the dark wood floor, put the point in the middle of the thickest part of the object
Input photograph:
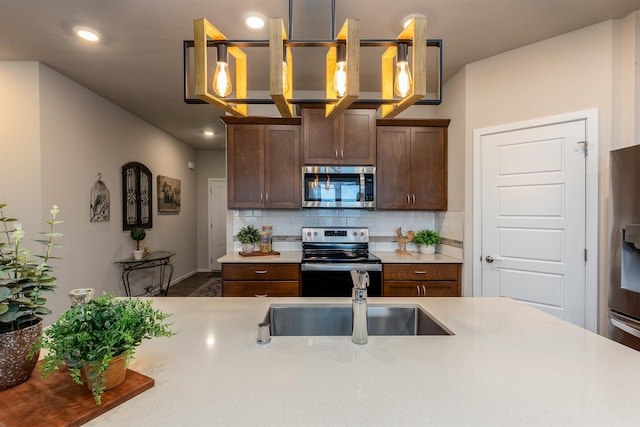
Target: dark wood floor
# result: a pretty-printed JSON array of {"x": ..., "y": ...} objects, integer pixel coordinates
[{"x": 187, "y": 286}]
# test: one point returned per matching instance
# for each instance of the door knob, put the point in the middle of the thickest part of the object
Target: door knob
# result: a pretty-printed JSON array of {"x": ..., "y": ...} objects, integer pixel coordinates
[{"x": 489, "y": 259}]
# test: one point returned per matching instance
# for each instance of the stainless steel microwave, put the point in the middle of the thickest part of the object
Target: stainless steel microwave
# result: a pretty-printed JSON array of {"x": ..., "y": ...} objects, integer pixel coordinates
[{"x": 339, "y": 187}]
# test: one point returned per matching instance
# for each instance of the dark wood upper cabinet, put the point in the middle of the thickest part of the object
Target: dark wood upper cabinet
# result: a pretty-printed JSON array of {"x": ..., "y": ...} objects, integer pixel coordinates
[
  {"x": 348, "y": 139},
  {"x": 412, "y": 173},
  {"x": 263, "y": 166}
]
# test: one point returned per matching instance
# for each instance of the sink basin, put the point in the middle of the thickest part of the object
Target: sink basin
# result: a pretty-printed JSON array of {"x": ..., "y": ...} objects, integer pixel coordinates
[{"x": 335, "y": 320}]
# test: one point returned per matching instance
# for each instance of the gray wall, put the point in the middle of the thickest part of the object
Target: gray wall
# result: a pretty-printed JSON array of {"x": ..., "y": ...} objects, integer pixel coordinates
[{"x": 56, "y": 136}]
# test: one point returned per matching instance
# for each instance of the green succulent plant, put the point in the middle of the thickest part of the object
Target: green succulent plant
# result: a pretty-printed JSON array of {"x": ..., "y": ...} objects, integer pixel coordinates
[
  {"x": 138, "y": 234},
  {"x": 249, "y": 234},
  {"x": 24, "y": 278},
  {"x": 93, "y": 333},
  {"x": 426, "y": 237}
]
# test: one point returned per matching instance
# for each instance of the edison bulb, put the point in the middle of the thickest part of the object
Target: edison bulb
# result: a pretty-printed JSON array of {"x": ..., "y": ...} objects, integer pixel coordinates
[
  {"x": 285, "y": 75},
  {"x": 222, "y": 79},
  {"x": 403, "y": 81},
  {"x": 340, "y": 78}
]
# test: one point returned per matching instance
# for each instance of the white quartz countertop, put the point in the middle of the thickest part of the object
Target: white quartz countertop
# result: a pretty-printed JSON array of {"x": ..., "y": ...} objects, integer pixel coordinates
[
  {"x": 415, "y": 258},
  {"x": 508, "y": 364},
  {"x": 296, "y": 257},
  {"x": 285, "y": 257}
]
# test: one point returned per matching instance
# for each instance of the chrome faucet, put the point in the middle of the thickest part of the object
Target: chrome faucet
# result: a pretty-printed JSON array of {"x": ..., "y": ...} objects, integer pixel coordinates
[{"x": 360, "y": 280}]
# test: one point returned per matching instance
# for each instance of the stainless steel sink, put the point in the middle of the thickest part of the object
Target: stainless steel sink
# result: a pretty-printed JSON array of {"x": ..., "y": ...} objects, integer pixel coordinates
[{"x": 335, "y": 320}]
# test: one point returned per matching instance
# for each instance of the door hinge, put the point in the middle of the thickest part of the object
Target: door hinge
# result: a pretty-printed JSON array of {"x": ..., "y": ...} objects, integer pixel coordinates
[
  {"x": 585, "y": 255},
  {"x": 584, "y": 146}
]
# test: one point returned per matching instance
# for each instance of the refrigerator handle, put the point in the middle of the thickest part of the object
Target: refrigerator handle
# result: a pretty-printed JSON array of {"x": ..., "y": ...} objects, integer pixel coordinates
[{"x": 630, "y": 326}]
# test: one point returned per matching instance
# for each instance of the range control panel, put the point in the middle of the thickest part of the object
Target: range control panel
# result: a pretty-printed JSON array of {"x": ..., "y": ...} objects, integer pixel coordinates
[{"x": 335, "y": 235}]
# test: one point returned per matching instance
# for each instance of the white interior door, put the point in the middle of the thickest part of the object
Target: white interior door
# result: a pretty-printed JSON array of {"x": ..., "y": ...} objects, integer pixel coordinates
[
  {"x": 217, "y": 221},
  {"x": 533, "y": 217}
]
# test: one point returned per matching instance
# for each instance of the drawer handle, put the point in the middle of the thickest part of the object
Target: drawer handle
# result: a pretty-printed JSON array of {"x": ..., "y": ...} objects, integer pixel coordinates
[
  {"x": 261, "y": 295},
  {"x": 261, "y": 271},
  {"x": 419, "y": 272}
]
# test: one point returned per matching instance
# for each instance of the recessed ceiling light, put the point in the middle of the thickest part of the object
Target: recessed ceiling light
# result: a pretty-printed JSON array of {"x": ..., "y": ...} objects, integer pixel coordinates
[
  {"x": 254, "y": 20},
  {"x": 407, "y": 19},
  {"x": 86, "y": 33},
  {"x": 208, "y": 133}
]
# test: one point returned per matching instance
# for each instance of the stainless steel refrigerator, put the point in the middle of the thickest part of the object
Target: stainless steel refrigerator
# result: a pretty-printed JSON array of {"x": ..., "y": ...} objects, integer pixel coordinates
[{"x": 624, "y": 280}]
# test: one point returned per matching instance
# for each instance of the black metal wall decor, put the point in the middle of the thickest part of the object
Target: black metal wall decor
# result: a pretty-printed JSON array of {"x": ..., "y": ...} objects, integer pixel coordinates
[
  {"x": 99, "y": 203},
  {"x": 136, "y": 196}
]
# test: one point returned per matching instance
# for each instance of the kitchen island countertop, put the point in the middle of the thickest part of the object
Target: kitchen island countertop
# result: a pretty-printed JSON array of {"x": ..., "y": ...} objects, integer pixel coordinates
[{"x": 507, "y": 364}]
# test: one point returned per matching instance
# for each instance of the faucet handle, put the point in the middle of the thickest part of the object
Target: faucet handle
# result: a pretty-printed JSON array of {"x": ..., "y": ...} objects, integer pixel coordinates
[
  {"x": 364, "y": 279},
  {"x": 360, "y": 279},
  {"x": 355, "y": 278}
]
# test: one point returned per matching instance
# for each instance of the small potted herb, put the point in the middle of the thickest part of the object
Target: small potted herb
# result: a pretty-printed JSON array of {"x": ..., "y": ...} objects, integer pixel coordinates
[
  {"x": 248, "y": 236},
  {"x": 138, "y": 234},
  {"x": 426, "y": 241},
  {"x": 97, "y": 340}
]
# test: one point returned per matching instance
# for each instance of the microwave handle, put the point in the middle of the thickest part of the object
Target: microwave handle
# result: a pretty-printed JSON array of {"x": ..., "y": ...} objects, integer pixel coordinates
[{"x": 626, "y": 324}]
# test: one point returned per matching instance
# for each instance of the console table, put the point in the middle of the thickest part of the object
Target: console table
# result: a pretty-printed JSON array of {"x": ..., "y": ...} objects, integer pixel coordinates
[{"x": 160, "y": 260}]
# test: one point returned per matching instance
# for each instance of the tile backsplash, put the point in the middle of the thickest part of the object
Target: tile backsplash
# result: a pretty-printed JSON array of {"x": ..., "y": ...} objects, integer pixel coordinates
[{"x": 382, "y": 226}]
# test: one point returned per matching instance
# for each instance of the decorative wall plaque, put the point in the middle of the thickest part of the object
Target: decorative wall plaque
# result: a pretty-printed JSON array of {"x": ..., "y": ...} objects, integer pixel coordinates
[
  {"x": 99, "y": 203},
  {"x": 136, "y": 196}
]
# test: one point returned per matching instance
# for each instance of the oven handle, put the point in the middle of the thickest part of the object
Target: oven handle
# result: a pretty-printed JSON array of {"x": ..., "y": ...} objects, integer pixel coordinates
[
  {"x": 626, "y": 324},
  {"x": 327, "y": 266}
]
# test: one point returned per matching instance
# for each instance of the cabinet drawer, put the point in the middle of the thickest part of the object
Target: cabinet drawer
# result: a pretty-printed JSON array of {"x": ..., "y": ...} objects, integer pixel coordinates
[
  {"x": 259, "y": 272},
  {"x": 420, "y": 289},
  {"x": 259, "y": 289},
  {"x": 421, "y": 271}
]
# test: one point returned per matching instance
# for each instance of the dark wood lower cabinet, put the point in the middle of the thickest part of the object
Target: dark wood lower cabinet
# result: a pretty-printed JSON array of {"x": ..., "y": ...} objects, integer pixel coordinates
[
  {"x": 260, "y": 280},
  {"x": 422, "y": 280}
]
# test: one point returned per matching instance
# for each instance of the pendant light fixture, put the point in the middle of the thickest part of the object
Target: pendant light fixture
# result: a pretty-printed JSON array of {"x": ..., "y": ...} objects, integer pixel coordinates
[
  {"x": 203, "y": 33},
  {"x": 402, "y": 80},
  {"x": 222, "y": 78},
  {"x": 403, "y": 83},
  {"x": 340, "y": 74}
]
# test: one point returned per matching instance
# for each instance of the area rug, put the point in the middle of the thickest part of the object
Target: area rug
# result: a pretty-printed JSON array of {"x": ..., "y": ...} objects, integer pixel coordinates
[{"x": 212, "y": 288}]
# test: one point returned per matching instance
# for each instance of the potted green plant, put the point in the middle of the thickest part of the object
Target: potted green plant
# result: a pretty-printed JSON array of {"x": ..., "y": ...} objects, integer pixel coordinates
[
  {"x": 24, "y": 282},
  {"x": 248, "y": 236},
  {"x": 138, "y": 234},
  {"x": 426, "y": 241},
  {"x": 97, "y": 339}
]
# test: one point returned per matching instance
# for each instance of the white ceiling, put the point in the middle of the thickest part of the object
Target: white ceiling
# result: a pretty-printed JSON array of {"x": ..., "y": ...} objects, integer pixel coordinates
[{"x": 139, "y": 63}]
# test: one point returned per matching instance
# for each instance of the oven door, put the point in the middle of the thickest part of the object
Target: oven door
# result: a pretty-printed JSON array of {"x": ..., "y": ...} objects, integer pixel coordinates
[{"x": 334, "y": 279}]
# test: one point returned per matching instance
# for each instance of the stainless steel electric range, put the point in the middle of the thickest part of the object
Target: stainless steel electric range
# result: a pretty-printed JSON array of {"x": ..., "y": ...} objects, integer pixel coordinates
[{"x": 329, "y": 255}]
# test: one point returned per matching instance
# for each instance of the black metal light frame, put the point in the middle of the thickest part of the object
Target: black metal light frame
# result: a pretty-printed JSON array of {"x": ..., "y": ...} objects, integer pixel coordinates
[{"x": 189, "y": 44}]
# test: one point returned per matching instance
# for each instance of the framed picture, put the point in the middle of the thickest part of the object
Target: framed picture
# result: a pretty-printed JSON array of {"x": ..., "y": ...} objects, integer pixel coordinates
[{"x": 168, "y": 194}]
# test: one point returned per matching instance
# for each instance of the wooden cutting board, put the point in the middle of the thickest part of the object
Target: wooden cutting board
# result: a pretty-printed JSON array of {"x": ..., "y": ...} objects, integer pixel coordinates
[{"x": 58, "y": 401}]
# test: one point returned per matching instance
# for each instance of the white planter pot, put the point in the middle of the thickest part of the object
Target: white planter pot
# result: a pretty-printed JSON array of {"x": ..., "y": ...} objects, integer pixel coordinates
[
  {"x": 248, "y": 248},
  {"x": 138, "y": 254},
  {"x": 427, "y": 249}
]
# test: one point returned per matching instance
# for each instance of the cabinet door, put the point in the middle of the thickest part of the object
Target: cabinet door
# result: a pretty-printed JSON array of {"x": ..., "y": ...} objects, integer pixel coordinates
[
  {"x": 394, "y": 288},
  {"x": 428, "y": 169},
  {"x": 357, "y": 130},
  {"x": 245, "y": 166},
  {"x": 392, "y": 172},
  {"x": 282, "y": 167},
  {"x": 319, "y": 136}
]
